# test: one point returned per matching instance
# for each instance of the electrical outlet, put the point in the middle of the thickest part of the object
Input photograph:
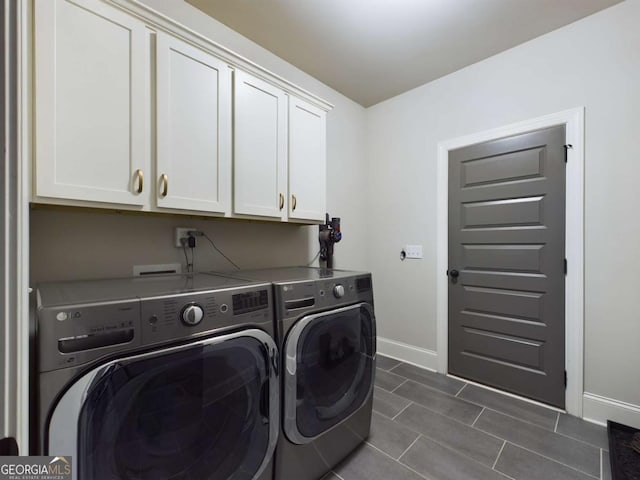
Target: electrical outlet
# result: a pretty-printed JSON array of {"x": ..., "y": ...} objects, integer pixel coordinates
[
  {"x": 413, "y": 251},
  {"x": 182, "y": 232}
]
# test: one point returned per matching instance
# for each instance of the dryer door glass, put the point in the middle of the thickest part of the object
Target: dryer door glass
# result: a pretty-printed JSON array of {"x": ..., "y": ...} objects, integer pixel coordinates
[
  {"x": 334, "y": 369},
  {"x": 199, "y": 412}
]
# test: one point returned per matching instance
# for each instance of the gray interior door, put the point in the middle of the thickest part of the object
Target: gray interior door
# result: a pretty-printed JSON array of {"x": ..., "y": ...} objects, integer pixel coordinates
[{"x": 506, "y": 264}]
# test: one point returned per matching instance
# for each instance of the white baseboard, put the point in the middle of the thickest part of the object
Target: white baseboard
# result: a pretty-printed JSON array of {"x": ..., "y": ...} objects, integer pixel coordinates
[
  {"x": 599, "y": 409},
  {"x": 420, "y": 357}
]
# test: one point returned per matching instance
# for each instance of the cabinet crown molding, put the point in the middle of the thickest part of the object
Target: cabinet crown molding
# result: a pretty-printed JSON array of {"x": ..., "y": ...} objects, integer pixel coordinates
[{"x": 159, "y": 21}]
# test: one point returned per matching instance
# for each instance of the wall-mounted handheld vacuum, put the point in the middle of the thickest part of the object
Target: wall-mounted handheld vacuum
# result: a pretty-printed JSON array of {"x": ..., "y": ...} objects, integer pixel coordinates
[{"x": 329, "y": 235}]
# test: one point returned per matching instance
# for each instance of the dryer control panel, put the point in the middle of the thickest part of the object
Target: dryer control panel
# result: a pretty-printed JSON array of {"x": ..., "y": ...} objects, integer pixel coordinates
[{"x": 296, "y": 298}]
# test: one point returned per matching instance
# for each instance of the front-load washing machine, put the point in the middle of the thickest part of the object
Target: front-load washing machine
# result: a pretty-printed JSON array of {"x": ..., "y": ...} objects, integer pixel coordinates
[
  {"x": 327, "y": 339},
  {"x": 166, "y": 377}
]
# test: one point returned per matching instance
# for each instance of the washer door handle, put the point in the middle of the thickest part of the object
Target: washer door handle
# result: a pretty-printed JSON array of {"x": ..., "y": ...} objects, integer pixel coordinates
[{"x": 264, "y": 402}]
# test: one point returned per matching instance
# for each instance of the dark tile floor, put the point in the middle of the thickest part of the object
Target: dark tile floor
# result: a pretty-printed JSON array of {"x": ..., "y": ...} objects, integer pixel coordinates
[{"x": 430, "y": 426}]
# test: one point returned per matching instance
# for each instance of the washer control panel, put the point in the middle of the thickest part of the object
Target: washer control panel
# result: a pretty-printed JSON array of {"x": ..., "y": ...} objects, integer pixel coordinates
[
  {"x": 75, "y": 334},
  {"x": 81, "y": 322},
  {"x": 182, "y": 315}
]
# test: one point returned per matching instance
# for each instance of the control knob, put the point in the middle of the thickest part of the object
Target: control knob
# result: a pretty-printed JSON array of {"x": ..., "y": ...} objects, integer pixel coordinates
[
  {"x": 338, "y": 291},
  {"x": 192, "y": 314}
]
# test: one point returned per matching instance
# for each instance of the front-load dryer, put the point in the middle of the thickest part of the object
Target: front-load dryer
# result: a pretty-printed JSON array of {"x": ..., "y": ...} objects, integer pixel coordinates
[
  {"x": 327, "y": 339},
  {"x": 167, "y": 377}
]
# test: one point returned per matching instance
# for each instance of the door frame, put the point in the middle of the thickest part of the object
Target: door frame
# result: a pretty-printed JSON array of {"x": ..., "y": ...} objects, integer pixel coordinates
[
  {"x": 15, "y": 224},
  {"x": 573, "y": 120}
]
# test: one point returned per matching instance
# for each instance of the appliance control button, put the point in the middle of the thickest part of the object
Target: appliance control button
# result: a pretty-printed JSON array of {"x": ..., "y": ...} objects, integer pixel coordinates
[
  {"x": 338, "y": 291},
  {"x": 224, "y": 308},
  {"x": 62, "y": 316},
  {"x": 153, "y": 319},
  {"x": 192, "y": 314}
]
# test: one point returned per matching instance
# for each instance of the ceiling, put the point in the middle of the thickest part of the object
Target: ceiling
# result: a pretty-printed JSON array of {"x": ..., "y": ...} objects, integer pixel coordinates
[{"x": 371, "y": 50}]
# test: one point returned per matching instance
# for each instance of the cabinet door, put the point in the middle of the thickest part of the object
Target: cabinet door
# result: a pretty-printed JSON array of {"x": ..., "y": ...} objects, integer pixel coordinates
[
  {"x": 260, "y": 148},
  {"x": 307, "y": 161},
  {"x": 193, "y": 128},
  {"x": 91, "y": 96}
]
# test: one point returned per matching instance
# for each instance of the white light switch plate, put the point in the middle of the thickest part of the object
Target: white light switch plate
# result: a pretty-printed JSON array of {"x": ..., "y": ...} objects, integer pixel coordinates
[{"x": 413, "y": 251}]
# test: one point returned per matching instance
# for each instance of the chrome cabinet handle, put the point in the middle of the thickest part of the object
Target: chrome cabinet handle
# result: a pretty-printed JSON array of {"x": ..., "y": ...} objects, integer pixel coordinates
[
  {"x": 281, "y": 201},
  {"x": 294, "y": 202},
  {"x": 140, "y": 177},
  {"x": 164, "y": 179}
]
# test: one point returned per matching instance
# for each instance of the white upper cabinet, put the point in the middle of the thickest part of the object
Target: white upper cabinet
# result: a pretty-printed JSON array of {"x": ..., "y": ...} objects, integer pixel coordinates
[
  {"x": 91, "y": 94},
  {"x": 136, "y": 112},
  {"x": 193, "y": 128},
  {"x": 307, "y": 161},
  {"x": 260, "y": 148}
]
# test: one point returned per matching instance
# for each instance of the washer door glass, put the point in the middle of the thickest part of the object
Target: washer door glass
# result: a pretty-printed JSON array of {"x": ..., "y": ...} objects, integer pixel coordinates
[
  {"x": 198, "y": 413},
  {"x": 333, "y": 373}
]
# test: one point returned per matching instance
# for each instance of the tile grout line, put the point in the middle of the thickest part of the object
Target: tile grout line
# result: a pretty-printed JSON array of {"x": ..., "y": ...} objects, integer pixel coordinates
[
  {"x": 523, "y": 420},
  {"x": 474, "y": 422},
  {"x": 550, "y": 459},
  {"x": 505, "y": 394},
  {"x": 601, "y": 466},
  {"x": 554, "y": 431},
  {"x": 398, "y": 414},
  {"x": 504, "y": 474},
  {"x": 498, "y": 457},
  {"x": 455, "y": 451},
  {"x": 392, "y": 369},
  {"x": 399, "y": 463},
  {"x": 579, "y": 440},
  {"x": 405, "y": 381},
  {"x": 409, "y": 447},
  {"x": 534, "y": 424},
  {"x": 539, "y": 453},
  {"x": 397, "y": 365}
]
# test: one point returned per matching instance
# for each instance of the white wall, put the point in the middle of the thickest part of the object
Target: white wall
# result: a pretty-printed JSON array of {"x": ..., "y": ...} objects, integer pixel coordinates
[
  {"x": 75, "y": 245},
  {"x": 593, "y": 63}
]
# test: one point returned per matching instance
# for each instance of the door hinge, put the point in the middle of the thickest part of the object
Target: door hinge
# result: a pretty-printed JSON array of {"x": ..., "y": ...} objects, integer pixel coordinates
[
  {"x": 565, "y": 266},
  {"x": 567, "y": 147},
  {"x": 565, "y": 379}
]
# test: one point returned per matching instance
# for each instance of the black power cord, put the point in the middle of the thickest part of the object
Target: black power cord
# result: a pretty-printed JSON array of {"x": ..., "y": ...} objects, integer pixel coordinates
[
  {"x": 185, "y": 242},
  {"x": 313, "y": 259},
  {"x": 198, "y": 233}
]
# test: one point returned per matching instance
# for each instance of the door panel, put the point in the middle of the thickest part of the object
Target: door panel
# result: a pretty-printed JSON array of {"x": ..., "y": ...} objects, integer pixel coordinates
[
  {"x": 194, "y": 127},
  {"x": 260, "y": 148},
  {"x": 524, "y": 258},
  {"x": 91, "y": 92},
  {"x": 307, "y": 161},
  {"x": 506, "y": 238},
  {"x": 502, "y": 213}
]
